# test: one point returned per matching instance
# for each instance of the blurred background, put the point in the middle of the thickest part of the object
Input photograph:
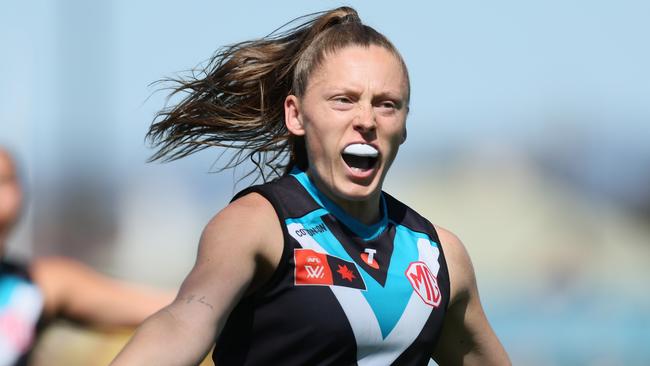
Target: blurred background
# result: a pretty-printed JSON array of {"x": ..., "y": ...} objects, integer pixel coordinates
[{"x": 529, "y": 138}]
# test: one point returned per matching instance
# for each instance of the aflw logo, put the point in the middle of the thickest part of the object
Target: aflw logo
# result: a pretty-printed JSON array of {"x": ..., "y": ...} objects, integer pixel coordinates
[
  {"x": 424, "y": 283},
  {"x": 315, "y": 271}
]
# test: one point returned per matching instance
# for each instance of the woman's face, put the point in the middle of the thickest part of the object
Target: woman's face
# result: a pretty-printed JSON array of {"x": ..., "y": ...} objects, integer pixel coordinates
[{"x": 353, "y": 118}]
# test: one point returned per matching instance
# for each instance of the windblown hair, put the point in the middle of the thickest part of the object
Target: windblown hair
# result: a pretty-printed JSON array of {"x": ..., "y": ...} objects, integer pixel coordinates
[{"x": 237, "y": 100}]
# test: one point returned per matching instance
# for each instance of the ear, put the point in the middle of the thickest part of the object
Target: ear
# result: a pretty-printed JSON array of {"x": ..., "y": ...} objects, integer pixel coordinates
[
  {"x": 292, "y": 116},
  {"x": 403, "y": 136}
]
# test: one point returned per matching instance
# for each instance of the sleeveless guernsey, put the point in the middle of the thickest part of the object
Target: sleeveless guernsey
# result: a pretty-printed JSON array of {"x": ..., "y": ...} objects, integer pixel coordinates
[
  {"x": 21, "y": 303},
  {"x": 344, "y": 293}
]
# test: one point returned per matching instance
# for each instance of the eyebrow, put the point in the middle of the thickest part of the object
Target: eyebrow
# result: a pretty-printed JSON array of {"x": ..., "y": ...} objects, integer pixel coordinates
[{"x": 397, "y": 97}]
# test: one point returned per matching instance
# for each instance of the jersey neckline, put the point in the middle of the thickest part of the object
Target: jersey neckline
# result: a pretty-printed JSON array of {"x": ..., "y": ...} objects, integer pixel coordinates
[{"x": 365, "y": 232}]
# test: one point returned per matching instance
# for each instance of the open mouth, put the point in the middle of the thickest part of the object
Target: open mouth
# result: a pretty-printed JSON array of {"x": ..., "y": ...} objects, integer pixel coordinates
[{"x": 360, "y": 157}]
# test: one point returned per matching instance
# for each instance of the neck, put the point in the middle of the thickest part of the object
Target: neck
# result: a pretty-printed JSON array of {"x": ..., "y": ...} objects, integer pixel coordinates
[{"x": 367, "y": 211}]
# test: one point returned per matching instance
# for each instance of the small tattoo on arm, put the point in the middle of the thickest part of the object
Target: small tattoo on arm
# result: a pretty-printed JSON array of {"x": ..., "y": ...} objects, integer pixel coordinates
[
  {"x": 202, "y": 301},
  {"x": 192, "y": 298}
]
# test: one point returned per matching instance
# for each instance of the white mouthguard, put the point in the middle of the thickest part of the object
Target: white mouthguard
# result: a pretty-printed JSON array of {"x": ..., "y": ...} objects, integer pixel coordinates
[{"x": 361, "y": 150}]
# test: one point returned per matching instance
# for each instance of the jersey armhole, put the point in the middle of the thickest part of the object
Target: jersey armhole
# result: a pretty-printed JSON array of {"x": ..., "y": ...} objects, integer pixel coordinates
[
  {"x": 443, "y": 262},
  {"x": 284, "y": 257}
]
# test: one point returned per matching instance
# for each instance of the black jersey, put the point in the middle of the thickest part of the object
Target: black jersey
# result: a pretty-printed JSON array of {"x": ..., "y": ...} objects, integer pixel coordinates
[
  {"x": 344, "y": 293},
  {"x": 21, "y": 304}
]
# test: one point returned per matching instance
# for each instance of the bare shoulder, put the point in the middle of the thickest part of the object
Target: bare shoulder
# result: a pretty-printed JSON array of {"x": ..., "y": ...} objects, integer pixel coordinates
[
  {"x": 248, "y": 232},
  {"x": 459, "y": 264},
  {"x": 254, "y": 205},
  {"x": 249, "y": 219},
  {"x": 451, "y": 242}
]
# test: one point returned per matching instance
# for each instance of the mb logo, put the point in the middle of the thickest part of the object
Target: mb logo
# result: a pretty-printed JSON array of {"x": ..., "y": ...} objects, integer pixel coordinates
[
  {"x": 315, "y": 271},
  {"x": 424, "y": 283}
]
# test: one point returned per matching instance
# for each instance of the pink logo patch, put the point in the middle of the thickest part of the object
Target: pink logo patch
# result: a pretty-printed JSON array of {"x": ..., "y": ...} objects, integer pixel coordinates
[{"x": 424, "y": 283}]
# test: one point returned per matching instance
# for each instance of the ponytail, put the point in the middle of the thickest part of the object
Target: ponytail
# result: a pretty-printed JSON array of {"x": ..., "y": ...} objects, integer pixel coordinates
[{"x": 237, "y": 100}]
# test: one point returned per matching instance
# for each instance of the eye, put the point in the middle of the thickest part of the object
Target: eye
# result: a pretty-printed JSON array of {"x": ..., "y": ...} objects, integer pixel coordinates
[
  {"x": 342, "y": 100},
  {"x": 387, "y": 106}
]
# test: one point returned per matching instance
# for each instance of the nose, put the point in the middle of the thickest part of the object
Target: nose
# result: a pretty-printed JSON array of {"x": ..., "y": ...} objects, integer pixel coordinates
[{"x": 365, "y": 121}]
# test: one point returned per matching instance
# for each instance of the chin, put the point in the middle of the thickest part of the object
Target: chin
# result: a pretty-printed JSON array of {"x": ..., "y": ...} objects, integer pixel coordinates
[{"x": 359, "y": 192}]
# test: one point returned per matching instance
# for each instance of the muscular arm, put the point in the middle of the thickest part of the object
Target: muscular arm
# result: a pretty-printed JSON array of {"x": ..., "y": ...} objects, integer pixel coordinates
[
  {"x": 237, "y": 248},
  {"x": 467, "y": 337}
]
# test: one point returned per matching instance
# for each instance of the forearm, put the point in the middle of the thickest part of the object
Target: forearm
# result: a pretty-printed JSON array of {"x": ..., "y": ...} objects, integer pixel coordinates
[
  {"x": 118, "y": 305},
  {"x": 75, "y": 291},
  {"x": 166, "y": 339}
]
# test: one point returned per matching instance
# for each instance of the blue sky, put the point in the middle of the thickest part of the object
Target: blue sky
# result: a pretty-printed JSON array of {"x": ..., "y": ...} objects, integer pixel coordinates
[{"x": 537, "y": 75}]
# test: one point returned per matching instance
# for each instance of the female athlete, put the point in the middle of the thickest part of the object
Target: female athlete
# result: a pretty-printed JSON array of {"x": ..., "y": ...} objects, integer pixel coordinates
[{"x": 318, "y": 266}]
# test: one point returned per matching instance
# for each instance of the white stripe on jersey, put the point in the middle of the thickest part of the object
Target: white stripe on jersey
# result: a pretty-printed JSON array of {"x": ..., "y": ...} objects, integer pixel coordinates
[{"x": 371, "y": 348}]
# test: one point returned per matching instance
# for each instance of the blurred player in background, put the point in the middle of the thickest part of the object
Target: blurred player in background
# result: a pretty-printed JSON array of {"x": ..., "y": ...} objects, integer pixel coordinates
[{"x": 33, "y": 294}]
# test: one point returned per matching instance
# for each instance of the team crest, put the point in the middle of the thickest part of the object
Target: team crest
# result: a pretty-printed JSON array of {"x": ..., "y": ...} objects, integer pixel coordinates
[{"x": 424, "y": 283}]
